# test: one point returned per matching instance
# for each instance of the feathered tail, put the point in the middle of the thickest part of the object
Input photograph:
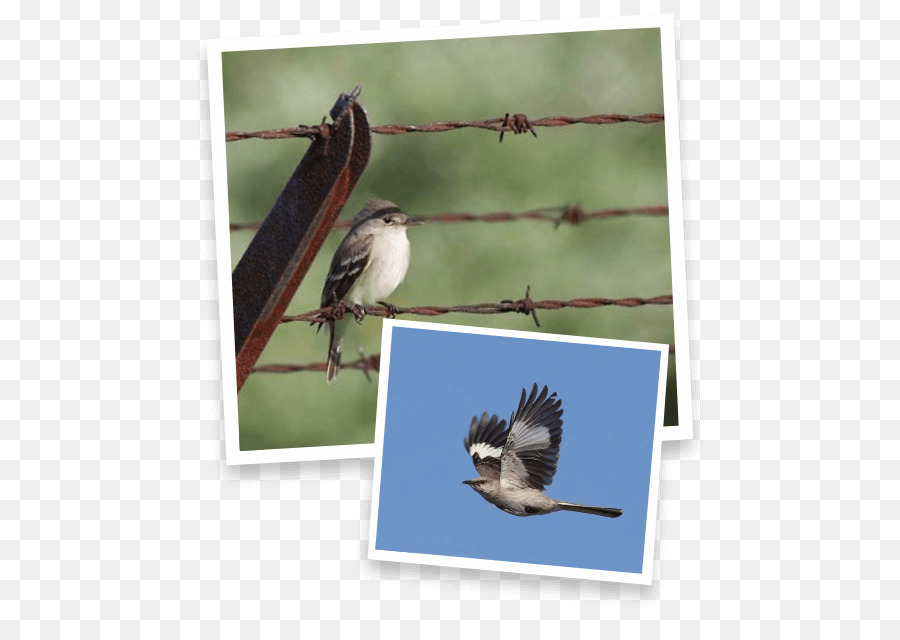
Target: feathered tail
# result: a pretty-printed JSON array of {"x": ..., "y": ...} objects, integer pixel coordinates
[
  {"x": 609, "y": 512},
  {"x": 335, "y": 344}
]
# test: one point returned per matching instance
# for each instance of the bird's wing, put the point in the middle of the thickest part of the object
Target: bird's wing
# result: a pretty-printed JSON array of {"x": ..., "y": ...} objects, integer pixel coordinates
[
  {"x": 485, "y": 444},
  {"x": 532, "y": 449},
  {"x": 349, "y": 261}
]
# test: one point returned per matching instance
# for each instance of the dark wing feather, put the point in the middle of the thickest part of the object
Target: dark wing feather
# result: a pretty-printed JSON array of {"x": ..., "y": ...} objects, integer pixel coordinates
[
  {"x": 350, "y": 260},
  {"x": 532, "y": 450},
  {"x": 485, "y": 444}
]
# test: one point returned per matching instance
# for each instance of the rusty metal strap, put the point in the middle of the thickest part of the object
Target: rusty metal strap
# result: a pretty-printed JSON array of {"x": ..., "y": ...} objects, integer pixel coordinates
[{"x": 273, "y": 266}]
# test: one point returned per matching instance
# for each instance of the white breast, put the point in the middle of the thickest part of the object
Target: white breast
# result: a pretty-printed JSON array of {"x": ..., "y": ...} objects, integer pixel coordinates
[{"x": 386, "y": 269}]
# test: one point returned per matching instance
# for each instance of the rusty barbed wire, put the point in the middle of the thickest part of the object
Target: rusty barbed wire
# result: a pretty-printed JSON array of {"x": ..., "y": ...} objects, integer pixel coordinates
[
  {"x": 573, "y": 215},
  {"x": 366, "y": 365},
  {"x": 524, "y": 305},
  {"x": 517, "y": 123}
]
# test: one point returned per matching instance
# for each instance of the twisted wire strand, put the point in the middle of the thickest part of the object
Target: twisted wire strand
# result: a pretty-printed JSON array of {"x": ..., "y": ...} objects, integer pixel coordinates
[
  {"x": 573, "y": 215},
  {"x": 524, "y": 305},
  {"x": 518, "y": 123}
]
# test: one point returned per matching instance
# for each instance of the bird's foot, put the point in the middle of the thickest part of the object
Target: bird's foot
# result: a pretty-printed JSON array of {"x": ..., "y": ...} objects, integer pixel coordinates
[
  {"x": 392, "y": 310},
  {"x": 334, "y": 311},
  {"x": 359, "y": 312}
]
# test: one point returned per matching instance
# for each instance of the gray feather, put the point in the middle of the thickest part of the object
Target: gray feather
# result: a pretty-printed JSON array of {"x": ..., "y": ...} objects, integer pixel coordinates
[{"x": 532, "y": 449}]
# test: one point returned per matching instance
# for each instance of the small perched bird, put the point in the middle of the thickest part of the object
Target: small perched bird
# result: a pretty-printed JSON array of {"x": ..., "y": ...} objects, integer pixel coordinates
[
  {"x": 368, "y": 265},
  {"x": 516, "y": 464}
]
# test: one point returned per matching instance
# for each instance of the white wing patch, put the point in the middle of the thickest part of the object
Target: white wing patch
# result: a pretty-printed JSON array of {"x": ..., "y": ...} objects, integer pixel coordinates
[{"x": 485, "y": 450}]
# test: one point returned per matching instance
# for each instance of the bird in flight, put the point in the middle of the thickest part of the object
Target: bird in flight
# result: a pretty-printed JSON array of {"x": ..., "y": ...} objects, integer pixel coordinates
[
  {"x": 369, "y": 264},
  {"x": 515, "y": 464}
]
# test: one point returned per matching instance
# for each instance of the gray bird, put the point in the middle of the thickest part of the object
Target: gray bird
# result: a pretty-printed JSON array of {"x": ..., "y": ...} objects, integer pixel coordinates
[
  {"x": 516, "y": 464},
  {"x": 368, "y": 265}
]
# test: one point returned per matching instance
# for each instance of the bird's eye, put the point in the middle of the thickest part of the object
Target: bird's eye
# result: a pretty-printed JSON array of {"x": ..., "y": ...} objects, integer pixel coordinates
[{"x": 388, "y": 220}]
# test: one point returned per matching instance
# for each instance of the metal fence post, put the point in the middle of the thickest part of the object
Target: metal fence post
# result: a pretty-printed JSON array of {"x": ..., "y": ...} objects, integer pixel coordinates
[{"x": 273, "y": 266}]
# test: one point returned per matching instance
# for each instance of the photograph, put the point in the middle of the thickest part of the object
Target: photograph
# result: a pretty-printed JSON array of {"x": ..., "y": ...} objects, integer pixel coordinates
[
  {"x": 479, "y": 430},
  {"x": 449, "y": 320},
  {"x": 522, "y": 176}
]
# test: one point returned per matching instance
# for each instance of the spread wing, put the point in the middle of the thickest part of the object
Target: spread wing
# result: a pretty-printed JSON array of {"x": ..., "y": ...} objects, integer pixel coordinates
[
  {"x": 485, "y": 444},
  {"x": 532, "y": 449},
  {"x": 348, "y": 263}
]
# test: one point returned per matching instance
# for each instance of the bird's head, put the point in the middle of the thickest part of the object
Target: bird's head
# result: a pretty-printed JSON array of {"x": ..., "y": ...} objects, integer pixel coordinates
[
  {"x": 480, "y": 484},
  {"x": 382, "y": 215}
]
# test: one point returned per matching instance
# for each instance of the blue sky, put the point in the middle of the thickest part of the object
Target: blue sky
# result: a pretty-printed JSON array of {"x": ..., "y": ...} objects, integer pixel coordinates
[{"x": 439, "y": 380}]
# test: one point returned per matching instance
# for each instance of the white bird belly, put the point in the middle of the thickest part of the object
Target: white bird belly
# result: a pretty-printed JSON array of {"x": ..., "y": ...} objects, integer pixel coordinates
[{"x": 386, "y": 269}]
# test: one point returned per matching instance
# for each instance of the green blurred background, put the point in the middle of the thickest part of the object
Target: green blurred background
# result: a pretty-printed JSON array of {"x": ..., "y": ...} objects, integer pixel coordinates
[{"x": 595, "y": 166}]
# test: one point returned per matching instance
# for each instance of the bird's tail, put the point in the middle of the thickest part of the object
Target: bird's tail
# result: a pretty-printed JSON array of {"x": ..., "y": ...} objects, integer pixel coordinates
[
  {"x": 335, "y": 343},
  {"x": 609, "y": 512}
]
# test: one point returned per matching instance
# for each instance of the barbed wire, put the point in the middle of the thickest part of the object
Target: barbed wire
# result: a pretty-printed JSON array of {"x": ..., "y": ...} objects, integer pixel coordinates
[
  {"x": 558, "y": 215},
  {"x": 366, "y": 365},
  {"x": 517, "y": 123},
  {"x": 524, "y": 305}
]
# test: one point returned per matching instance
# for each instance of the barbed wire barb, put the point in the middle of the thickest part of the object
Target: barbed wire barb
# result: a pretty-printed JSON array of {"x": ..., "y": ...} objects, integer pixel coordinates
[{"x": 517, "y": 123}]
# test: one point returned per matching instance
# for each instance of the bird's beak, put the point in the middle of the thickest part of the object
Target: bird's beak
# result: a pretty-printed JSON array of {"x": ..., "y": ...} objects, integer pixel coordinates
[
  {"x": 413, "y": 222},
  {"x": 468, "y": 482}
]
